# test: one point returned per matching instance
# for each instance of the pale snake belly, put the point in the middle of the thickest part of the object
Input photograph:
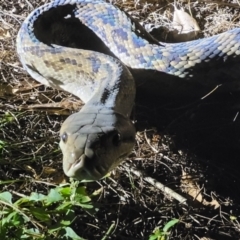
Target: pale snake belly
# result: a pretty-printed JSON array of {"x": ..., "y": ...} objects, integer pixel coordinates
[{"x": 101, "y": 134}]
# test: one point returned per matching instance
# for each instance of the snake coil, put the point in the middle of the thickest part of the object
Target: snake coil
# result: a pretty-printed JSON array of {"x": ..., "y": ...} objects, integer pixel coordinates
[{"x": 101, "y": 134}]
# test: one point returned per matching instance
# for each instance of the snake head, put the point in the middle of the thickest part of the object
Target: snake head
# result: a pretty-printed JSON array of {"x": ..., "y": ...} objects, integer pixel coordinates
[{"x": 94, "y": 143}]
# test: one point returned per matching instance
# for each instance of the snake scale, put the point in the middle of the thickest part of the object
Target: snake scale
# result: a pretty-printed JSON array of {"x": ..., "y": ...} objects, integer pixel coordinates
[{"x": 101, "y": 135}]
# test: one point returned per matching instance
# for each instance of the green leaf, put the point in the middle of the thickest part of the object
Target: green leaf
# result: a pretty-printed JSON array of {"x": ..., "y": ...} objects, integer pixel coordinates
[
  {"x": 82, "y": 199},
  {"x": 66, "y": 222},
  {"x": 6, "y": 197},
  {"x": 64, "y": 207},
  {"x": 170, "y": 224},
  {"x": 12, "y": 218},
  {"x": 40, "y": 214},
  {"x": 68, "y": 218},
  {"x": 61, "y": 224},
  {"x": 37, "y": 197},
  {"x": 71, "y": 234},
  {"x": 81, "y": 190},
  {"x": 53, "y": 196},
  {"x": 54, "y": 228},
  {"x": 32, "y": 233},
  {"x": 17, "y": 219},
  {"x": 153, "y": 237},
  {"x": 81, "y": 196},
  {"x": 22, "y": 200},
  {"x": 65, "y": 191},
  {"x": 2, "y": 144},
  {"x": 4, "y": 211},
  {"x": 156, "y": 234},
  {"x": 87, "y": 206},
  {"x": 7, "y": 219}
]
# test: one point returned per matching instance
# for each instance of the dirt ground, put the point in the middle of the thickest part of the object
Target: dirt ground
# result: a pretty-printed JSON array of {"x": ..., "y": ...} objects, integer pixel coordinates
[{"x": 191, "y": 147}]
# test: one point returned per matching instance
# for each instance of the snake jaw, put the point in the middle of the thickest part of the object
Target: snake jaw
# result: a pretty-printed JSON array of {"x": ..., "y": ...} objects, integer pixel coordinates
[
  {"x": 81, "y": 169},
  {"x": 83, "y": 162},
  {"x": 87, "y": 166},
  {"x": 79, "y": 163},
  {"x": 78, "y": 168}
]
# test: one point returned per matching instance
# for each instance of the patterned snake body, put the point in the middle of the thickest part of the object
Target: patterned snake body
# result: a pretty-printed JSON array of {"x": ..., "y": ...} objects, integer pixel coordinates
[{"x": 101, "y": 135}]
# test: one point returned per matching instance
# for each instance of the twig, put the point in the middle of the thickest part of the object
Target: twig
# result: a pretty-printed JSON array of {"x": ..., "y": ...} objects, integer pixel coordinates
[
  {"x": 211, "y": 91},
  {"x": 160, "y": 186},
  {"x": 109, "y": 231},
  {"x": 149, "y": 144}
]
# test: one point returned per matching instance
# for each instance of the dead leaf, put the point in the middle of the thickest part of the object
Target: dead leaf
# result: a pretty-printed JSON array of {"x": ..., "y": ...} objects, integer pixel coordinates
[
  {"x": 97, "y": 192},
  {"x": 6, "y": 90},
  {"x": 31, "y": 170},
  {"x": 186, "y": 26},
  {"x": 183, "y": 22},
  {"x": 55, "y": 176},
  {"x": 4, "y": 33},
  {"x": 59, "y": 179},
  {"x": 48, "y": 170},
  {"x": 190, "y": 186}
]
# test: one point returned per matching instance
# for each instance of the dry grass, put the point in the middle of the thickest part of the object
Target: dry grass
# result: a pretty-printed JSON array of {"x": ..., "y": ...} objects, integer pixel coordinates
[{"x": 31, "y": 116}]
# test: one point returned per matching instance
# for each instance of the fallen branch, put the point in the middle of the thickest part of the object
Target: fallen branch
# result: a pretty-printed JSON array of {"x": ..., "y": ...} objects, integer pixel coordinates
[{"x": 155, "y": 183}]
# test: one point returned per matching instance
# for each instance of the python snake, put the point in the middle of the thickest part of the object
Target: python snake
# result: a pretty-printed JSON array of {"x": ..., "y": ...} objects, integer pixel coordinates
[{"x": 101, "y": 134}]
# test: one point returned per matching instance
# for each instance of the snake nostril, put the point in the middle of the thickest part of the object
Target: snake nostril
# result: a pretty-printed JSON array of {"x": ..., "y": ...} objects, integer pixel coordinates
[
  {"x": 64, "y": 137},
  {"x": 116, "y": 140}
]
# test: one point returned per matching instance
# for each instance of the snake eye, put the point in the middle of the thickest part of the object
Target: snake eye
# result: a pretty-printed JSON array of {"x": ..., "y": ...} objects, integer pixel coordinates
[
  {"x": 64, "y": 137},
  {"x": 116, "y": 140}
]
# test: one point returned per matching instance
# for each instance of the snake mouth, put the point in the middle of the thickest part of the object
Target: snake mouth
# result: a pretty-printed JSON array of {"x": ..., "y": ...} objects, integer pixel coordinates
[{"x": 85, "y": 168}]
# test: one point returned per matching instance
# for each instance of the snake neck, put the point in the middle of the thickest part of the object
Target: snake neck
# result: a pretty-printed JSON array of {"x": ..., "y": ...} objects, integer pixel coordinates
[{"x": 113, "y": 90}]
